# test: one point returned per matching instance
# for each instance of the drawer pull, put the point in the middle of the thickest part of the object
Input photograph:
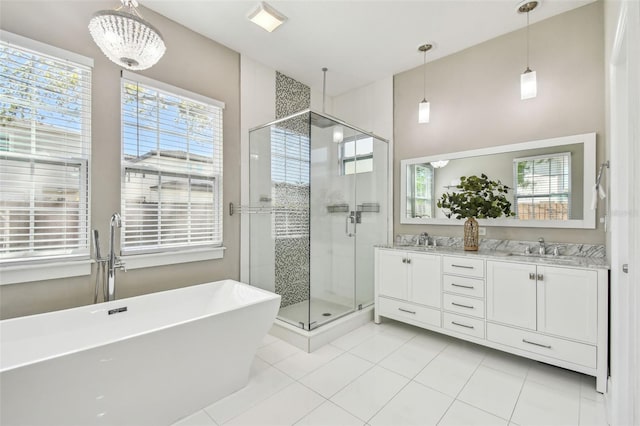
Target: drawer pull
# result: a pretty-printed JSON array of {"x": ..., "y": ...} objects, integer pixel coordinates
[
  {"x": 462, "y": 306},
  {"x": 453, "y": 265},
  {"x": 462, "y": 325},
  {"x": 470, "y": 287},
  {"x": 407, "y": 311},
  {"x": 536, "y": 344}
]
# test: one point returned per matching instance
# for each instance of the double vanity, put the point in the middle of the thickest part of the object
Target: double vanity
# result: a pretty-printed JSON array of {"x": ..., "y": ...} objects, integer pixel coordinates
[{"x": 552, "y": 309}]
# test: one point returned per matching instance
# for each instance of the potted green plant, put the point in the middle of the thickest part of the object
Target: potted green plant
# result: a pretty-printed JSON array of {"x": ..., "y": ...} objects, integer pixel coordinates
[{"x": 477, "y": 197}]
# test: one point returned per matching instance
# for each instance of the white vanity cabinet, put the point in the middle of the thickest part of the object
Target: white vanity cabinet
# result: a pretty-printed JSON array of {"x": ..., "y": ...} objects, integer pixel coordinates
[
  {"x": 511, "y": 294},
  {"x": 408, "y": 286},
  {"x": 549, "y": 299},
  {"x": 552, "y": 313}
]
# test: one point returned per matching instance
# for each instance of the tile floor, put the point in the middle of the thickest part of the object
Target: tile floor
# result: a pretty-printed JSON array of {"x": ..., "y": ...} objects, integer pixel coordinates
[{"x": 394, "y": 374}]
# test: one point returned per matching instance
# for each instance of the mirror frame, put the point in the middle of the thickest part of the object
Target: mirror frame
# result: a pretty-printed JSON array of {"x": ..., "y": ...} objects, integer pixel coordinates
[{"x": 588, "y": 220}]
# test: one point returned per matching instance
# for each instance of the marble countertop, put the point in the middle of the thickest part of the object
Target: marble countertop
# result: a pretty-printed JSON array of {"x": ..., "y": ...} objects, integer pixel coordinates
[{"x": 571, "y": 261}]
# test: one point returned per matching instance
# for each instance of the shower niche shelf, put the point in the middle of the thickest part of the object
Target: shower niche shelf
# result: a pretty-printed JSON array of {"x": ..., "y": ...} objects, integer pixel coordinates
[
  {"x": 369, "y": 208},
  {"x": 338, "y": 208}
]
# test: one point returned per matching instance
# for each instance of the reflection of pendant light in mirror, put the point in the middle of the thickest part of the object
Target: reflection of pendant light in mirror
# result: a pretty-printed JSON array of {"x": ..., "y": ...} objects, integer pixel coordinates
[
  {"x": 338, "y": 134},
  {"x": 439, "y": 164},
  {"x": 528, "y": 82},
  {"x": 424, "y": 107},
  {"x": 125, "y": 38}
]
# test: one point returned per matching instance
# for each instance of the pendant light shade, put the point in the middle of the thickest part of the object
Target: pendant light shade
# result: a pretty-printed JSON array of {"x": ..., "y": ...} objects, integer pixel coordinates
[
  {"x": 424, "y": 107},
  {"x": 528, "y": 85},
  {"x": 528, "y": 80},
  {"x": 125, "y": 38},
  {"x": 423, "y": 111}
]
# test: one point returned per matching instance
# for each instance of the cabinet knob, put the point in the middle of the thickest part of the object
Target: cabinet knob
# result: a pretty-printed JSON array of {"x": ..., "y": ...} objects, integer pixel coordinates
[
  {"x": 532, "y": 276},
  {"x": 540, "y": 277},
  {"x": 404, "y": 260},
  {"x": 408, "y": 260}
]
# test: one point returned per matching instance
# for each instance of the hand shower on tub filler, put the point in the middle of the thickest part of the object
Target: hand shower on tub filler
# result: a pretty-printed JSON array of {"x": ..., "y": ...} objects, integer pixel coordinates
[{"x": 106, "y": 269}]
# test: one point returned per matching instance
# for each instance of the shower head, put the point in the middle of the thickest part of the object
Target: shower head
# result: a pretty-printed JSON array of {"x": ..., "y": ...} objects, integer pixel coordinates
[{"x": 321, "y": 122}]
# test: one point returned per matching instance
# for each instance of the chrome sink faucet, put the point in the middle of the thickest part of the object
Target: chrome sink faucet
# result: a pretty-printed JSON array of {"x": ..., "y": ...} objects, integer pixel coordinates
[{"x": 542, "y": 249}]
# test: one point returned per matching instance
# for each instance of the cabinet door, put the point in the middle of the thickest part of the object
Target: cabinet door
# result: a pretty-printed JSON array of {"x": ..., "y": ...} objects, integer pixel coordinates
[
  {"x": 511, "y": 294},
  {"x": 424, "y": 279},
  {"x": 568, "y": 302},
  {"x": 392, "y": 274}
]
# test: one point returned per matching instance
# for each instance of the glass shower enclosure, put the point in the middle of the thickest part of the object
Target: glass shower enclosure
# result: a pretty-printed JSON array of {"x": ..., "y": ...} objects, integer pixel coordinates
[{"x": 318, "y": 204}]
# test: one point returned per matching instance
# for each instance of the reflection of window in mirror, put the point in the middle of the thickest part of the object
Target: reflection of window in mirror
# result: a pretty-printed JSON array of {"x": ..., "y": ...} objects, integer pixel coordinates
[
  {"x": 543, "y": 187},
  {"x": 420, "y": 190},
  {"x": 357, "y": 156}
]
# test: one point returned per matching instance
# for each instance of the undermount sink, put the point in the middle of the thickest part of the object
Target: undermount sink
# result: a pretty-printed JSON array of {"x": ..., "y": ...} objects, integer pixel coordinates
[{"x": 555, "y": 258}]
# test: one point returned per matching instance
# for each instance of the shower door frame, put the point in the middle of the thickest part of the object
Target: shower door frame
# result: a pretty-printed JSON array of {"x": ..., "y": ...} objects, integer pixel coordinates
[{"x": 389, "y": 205}]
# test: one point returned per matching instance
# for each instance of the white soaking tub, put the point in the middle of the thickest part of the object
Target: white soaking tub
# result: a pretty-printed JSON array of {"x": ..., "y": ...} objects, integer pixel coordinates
[{"x": 146, "y": 360}]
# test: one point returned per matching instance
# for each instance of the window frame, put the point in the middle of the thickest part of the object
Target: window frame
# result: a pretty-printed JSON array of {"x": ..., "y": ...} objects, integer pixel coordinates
[
  {"x": 348, "y": 159},
  {"x": 141, "y": 257},
  {"x": 76, "y": 262},
  {"x": 568, "y": 193}
]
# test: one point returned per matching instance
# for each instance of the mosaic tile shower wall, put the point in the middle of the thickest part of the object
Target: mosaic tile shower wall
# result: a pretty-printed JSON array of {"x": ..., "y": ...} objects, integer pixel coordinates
[{"x": 292, "y": 248}]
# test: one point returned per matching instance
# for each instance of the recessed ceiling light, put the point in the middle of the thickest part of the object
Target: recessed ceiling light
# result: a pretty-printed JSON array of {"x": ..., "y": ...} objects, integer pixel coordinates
[{"x": 267, "y": 17}]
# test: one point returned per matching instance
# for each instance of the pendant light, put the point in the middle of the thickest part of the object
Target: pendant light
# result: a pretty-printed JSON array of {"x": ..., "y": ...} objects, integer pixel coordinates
[
  {"x": 528, "y": 82},
  {"x": 125, "y": 38},
  {"x": 424, "y": 108}
]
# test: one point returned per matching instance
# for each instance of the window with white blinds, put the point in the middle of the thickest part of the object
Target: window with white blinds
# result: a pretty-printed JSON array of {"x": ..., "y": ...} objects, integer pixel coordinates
[
  {"x": 290, "y": 160},
  {"x": 45, "y": 144},
  {"x": 543, "y": 187},
  {"x": 172, "y": 168}
]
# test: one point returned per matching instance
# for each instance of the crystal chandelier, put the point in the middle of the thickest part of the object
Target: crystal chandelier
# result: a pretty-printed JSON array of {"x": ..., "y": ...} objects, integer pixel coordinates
[{"x": 125, "y": 38}]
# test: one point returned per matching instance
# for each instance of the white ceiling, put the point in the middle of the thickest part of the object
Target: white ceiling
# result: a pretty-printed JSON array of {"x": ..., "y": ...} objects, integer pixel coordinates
[{"x": 359, "y": 41}]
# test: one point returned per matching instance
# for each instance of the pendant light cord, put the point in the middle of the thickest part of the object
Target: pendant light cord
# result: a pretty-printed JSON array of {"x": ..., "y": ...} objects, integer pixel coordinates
[
  {"x": 424, "y": 77},
  {"x": 527, "y": 40},
  {"x": 324, "y": 86}
]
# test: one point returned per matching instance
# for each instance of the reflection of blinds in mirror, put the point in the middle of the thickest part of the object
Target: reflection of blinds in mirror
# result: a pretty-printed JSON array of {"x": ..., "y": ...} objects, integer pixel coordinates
[
  {"x": 543, "y": 187},
  {"x": 290, "y": 158},
  {"x": 420, "y": 189}
]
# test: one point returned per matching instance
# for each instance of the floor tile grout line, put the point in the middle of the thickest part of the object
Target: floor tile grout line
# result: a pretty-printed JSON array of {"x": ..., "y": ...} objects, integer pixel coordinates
[
  {"x": 430, "y": 361},
  {"x": 390, "y": 399},
  {"x": 519, "y": 395},
  {"x": 470, "y": 376},
  {"x": 351, "y": 381}
]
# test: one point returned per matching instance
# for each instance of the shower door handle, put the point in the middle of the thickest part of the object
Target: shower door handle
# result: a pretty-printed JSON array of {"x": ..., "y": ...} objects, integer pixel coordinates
[{"x": 349, "y": 218}]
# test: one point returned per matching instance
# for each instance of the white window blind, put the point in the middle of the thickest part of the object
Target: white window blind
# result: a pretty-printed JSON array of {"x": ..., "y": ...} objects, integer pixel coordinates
[
  {"x": 45, "y": 143},
  {"x": 172, "y": 168},
  {"x": 543, "y": 187},
  {"x": 420, "y": 190},
  {"x": 290, "y": 160}
]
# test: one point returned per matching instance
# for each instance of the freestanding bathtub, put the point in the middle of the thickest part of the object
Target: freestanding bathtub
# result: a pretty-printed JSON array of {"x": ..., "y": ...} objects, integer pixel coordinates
[{"x": 146, "y": 360}]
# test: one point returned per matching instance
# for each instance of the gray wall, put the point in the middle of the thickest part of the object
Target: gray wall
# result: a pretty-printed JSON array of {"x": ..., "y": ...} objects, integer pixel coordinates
[
  {"x": 192, "y": 62},
  {"x": 475, "y": 103}
]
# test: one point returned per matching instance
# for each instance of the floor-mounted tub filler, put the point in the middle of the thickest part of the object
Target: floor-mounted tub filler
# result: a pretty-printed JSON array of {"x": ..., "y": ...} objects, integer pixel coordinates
[{"x": 146, "y": 360}]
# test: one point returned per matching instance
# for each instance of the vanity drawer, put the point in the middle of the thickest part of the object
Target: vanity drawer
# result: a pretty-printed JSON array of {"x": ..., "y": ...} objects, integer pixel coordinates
[
  {"x": 471, "y": 326},
  {"x": 400, "y": 310},
  {"x": 463, "y": 285},
  {"x": 463, "y": 266},
  {"x": 463, "y": 305},
  {"x": 577, "y": 353}
]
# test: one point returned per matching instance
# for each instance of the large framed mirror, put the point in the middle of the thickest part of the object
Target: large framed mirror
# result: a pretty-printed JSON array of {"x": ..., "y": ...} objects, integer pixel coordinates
[{"x": 551, "y": 182}]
